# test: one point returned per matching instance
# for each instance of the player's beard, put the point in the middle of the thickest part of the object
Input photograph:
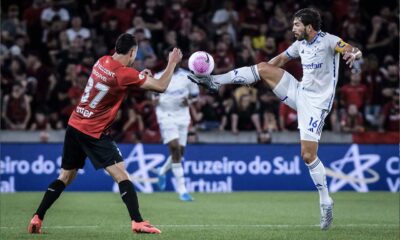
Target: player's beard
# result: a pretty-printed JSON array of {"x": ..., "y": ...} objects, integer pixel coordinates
[{"x": 302, "y": 36}]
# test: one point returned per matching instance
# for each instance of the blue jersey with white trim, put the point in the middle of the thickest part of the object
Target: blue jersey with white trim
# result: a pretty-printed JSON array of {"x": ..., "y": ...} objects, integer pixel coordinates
[{"x": 320, "y": 64}]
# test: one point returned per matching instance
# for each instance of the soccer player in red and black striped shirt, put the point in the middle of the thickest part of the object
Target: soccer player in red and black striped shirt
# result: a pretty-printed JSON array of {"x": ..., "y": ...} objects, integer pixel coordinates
[{"x": 87, "y": 131}]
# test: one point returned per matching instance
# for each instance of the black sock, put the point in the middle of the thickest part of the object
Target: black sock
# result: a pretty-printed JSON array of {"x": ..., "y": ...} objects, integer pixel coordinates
[
  {"x": 128, "y": 195},
  {"x": 53, "y": 192}
]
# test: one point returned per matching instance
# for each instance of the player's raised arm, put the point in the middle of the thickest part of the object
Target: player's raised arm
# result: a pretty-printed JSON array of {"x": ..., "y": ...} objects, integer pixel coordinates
[
  {"x": 291, "y": 53},
  {"x": 280, "y": 60},
  {"x": 350, "y": 53},
  {"x": 161, "y": 84}
]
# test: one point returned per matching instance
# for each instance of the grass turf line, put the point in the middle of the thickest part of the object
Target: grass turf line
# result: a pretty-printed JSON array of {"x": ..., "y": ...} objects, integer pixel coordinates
[{"x": 240, "y": 215}]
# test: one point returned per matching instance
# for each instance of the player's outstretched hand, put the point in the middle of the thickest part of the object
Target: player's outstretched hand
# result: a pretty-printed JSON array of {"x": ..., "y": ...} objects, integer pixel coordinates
[
  {"x": 175, "y": 56},
  {"x": 350, "y": 57}
]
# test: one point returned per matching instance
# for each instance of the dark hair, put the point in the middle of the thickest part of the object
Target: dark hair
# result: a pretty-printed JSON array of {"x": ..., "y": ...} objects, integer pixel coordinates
[
  {"x": 309, "y": 16},
  {"x": 124, "y": 43}
]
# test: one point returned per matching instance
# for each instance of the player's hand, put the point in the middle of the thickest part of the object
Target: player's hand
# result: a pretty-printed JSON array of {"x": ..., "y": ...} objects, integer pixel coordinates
[
  {"x": 147, "y": 72},
  {"x": 175, "y": 56},
  {"x": 350, "y": 57}
]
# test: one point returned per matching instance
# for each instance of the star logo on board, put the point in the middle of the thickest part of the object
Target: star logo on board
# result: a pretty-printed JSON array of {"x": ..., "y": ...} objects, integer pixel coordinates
[
  {"x": 139, "y": 166},
  {"x": 359, "y": 164}
]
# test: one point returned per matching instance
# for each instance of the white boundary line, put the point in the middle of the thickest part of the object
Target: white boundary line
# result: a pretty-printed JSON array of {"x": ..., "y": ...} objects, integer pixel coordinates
[
  {"x": 226, "y": 225},
  {"x": 274, "y": 225}
]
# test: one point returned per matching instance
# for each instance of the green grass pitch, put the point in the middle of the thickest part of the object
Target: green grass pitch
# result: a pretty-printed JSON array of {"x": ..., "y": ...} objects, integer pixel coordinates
[{"x": 240, "y": 215}]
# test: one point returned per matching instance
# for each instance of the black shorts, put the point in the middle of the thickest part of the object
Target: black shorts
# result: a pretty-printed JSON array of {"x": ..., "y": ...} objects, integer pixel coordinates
[{"x": 102, "y": 152}]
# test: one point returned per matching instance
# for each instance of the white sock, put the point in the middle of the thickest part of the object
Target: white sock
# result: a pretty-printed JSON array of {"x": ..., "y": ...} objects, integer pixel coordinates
[
  {"x": 177, "y": 169},
  {"x": 317, "y": 172},
  {"x": 243, "y": 75},
  {"x": 167, "y": 166}
]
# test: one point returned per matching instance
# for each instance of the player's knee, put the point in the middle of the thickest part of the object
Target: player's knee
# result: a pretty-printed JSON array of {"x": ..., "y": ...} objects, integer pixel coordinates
[
  {"x": 174, "y": 147},
  {"x": 121, "y": 176},
  {"x": 67, "y": 176},
  {"x": 269, "y": 73},
  {"x": 308, "y": 157},
  {"x": 263, "y": 68},
  {"x": 174, "y": 144}
]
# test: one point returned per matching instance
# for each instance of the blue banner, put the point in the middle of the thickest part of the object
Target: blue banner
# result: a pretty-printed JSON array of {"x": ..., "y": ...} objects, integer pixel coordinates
[{"x": 212, "y": 168}]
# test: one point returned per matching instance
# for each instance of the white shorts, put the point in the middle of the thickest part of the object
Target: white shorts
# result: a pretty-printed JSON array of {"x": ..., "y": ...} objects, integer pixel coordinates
[
  {"x": 311, "y": 119},
  {"x": 171, "y": 130}
]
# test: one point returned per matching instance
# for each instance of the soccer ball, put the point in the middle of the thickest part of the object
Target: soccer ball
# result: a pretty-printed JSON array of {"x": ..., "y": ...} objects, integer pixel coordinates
[{"x": 201, "y": 63}]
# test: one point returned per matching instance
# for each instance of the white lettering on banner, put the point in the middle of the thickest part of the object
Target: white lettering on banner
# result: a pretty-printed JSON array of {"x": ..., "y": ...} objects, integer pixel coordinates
[
  {"x": 279, "y": 165},
  {"x": 40, "y": 166},
  {"x": 240, "y": 167},
  {"x": 23, "y": 167},
  {"x": 285, "y": 167},
  {"x": 393, "y": 165},
  {"x": 146, "y": 163},
  {"x": 43, "y": 166},
  {"x": 393, "y": 168},
  {"x": 9, "y": 166},
  {"x": 202, "y": 185},
  {"x": 393, "y": 186},
  {"x": 7, "y": 185},
  {"x": 259, "y": 167}
]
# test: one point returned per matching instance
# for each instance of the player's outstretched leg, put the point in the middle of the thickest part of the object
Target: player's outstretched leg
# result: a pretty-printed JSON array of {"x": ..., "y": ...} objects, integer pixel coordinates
[
  {"x": 52, "y": 193},
  {"x": 129, "y": 197},
  {"x": 243, "y": 76}
]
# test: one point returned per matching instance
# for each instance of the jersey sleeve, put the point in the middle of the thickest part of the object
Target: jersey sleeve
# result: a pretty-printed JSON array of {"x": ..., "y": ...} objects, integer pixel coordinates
[
  {"x": 128, "y": 77},
  {"x": 293, "y": 51},
  {"x": 336, "y": 44}
]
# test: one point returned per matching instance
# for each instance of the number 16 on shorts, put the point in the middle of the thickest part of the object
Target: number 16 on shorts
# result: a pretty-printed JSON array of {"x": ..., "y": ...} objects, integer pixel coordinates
[{"x": 312, "y": 124}]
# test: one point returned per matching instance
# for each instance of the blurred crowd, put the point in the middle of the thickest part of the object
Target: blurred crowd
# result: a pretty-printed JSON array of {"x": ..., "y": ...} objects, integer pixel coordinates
[{"x": 48, "y": 48}]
